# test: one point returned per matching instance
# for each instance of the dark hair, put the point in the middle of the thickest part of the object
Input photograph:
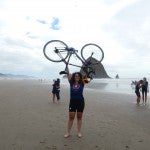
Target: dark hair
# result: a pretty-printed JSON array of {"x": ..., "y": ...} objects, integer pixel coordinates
[
  {"x": 141, "y": 81},
  {"x": 72, "y": 80}
]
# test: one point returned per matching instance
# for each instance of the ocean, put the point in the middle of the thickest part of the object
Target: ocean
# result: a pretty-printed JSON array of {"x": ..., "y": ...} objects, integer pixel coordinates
[
  {"x": 113, "y": 85},
  {"x": 110, "y": 85}
]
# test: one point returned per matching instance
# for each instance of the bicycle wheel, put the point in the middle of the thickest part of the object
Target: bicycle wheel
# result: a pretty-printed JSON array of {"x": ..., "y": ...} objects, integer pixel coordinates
[
  {"x": 55, "y": 50},
  {"x": 94, "y": 51}
]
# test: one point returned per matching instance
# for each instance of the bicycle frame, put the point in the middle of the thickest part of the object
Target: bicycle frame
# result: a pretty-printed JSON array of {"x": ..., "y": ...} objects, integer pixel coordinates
[
  {"x": 86, "y": 64},
  {"x": 71, "y": 52}
]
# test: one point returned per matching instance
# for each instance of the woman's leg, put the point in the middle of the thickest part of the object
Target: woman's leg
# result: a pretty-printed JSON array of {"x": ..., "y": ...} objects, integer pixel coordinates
[
  {"x": 138, "y": 99},
  {"x": 53, "y": 97},
  {"x": 57, "y": 95},
  {"x": 145, "y": 96},
  {"x": 79, "y": 123},
  {"x": 70, "y": 123}
]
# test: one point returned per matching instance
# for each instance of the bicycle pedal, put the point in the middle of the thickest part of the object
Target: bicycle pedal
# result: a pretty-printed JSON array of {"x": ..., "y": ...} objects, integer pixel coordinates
[{"x": 62, "y": 72}]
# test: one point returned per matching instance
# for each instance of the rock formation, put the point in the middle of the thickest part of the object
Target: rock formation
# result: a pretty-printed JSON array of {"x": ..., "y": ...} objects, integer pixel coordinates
[
  {"x": 98, "y": 68},
  {"x": 117, "y": 76}
]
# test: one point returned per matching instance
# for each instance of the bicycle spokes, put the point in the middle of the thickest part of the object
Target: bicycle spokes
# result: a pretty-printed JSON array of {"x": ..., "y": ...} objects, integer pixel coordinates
[
  {"x": 89, "y": 51},
  {"x": 55, "y": 50}
]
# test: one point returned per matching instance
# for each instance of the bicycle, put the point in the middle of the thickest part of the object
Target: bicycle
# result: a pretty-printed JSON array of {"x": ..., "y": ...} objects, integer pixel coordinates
[{"x": 58, "y": 51}]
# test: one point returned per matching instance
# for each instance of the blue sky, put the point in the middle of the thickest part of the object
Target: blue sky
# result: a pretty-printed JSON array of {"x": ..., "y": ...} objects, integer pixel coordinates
[{"x": 119, "y": 27}]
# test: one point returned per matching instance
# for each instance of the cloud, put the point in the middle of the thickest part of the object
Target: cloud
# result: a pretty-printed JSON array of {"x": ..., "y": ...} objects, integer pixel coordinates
[
  {"x": 55, "y": 24},
  {"x": 41, "y": 21},
  {"x": 130, "y": 25},
  {"x": 120, "y": 27}
]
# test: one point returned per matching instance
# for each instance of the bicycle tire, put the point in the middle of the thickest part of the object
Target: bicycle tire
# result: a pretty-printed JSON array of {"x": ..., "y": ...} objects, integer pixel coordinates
[
  {"x": 50, "y": 53},
  {"x": 90, "y": 48}
]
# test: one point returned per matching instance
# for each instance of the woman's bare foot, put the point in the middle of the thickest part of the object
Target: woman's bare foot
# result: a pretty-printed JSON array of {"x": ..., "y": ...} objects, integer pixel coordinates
[
  {"x": 79, "y": 135},
  {"x": 66, "y": 135}
]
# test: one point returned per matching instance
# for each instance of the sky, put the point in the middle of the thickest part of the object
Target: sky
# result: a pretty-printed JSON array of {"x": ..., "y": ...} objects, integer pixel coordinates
[{"x": 120, "y": 27}]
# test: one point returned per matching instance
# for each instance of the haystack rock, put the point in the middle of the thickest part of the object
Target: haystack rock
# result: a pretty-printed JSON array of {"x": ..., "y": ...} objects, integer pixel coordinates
[{"x": 98, "y": 68}]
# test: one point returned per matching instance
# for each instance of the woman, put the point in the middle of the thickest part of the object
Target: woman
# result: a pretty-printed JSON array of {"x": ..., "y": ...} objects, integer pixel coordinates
[
  {"x": 145, "y": 89},
  {"x": 56, "y": 90},
  {"x": 137, "y": 91},
  {"x": 76, "y": 105}
]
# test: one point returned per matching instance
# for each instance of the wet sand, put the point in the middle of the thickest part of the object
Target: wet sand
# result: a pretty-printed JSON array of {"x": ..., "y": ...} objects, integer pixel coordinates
[{"x": 30, "y": 121}]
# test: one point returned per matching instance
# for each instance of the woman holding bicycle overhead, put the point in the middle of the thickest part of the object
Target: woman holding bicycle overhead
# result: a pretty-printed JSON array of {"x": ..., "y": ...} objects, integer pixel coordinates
[
  {"x": 58, "y": 51},
  {"x": 76, "y": 105}
]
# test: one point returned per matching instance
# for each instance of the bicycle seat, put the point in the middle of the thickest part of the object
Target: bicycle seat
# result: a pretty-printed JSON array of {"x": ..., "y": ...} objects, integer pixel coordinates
[{"x": 63, "y": 72}]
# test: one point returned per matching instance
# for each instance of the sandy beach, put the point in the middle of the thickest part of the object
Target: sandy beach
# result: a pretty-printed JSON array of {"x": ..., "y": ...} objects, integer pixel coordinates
[{"x": 30, "y": 121}]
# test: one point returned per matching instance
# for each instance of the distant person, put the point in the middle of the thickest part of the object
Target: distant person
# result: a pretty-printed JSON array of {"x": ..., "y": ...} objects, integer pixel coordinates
[
  {"x": 133, "y": 84},
  {"x": 56, "y": 89},
  {"x": 137, "y": 91},
  {"x": 145, "y": 89}
]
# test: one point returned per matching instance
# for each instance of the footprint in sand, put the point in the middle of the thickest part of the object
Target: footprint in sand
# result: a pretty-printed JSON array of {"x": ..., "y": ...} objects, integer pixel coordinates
[
  {"x": 96, "y": 146},
  {"x": 127, "y": 147},
  {"x": 43, "y": 142},
  {"x": 51, "y": 148},
  {"x": 140, "y": 141}
]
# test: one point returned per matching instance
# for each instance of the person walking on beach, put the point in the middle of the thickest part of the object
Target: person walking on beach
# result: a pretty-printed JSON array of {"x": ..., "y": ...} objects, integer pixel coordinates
[
  {"x": 76, "y": 105},
  {"x": 56, "y": 90},
  {"x": 137, "y": 91},
  {"x": 145, "y": 89}
]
